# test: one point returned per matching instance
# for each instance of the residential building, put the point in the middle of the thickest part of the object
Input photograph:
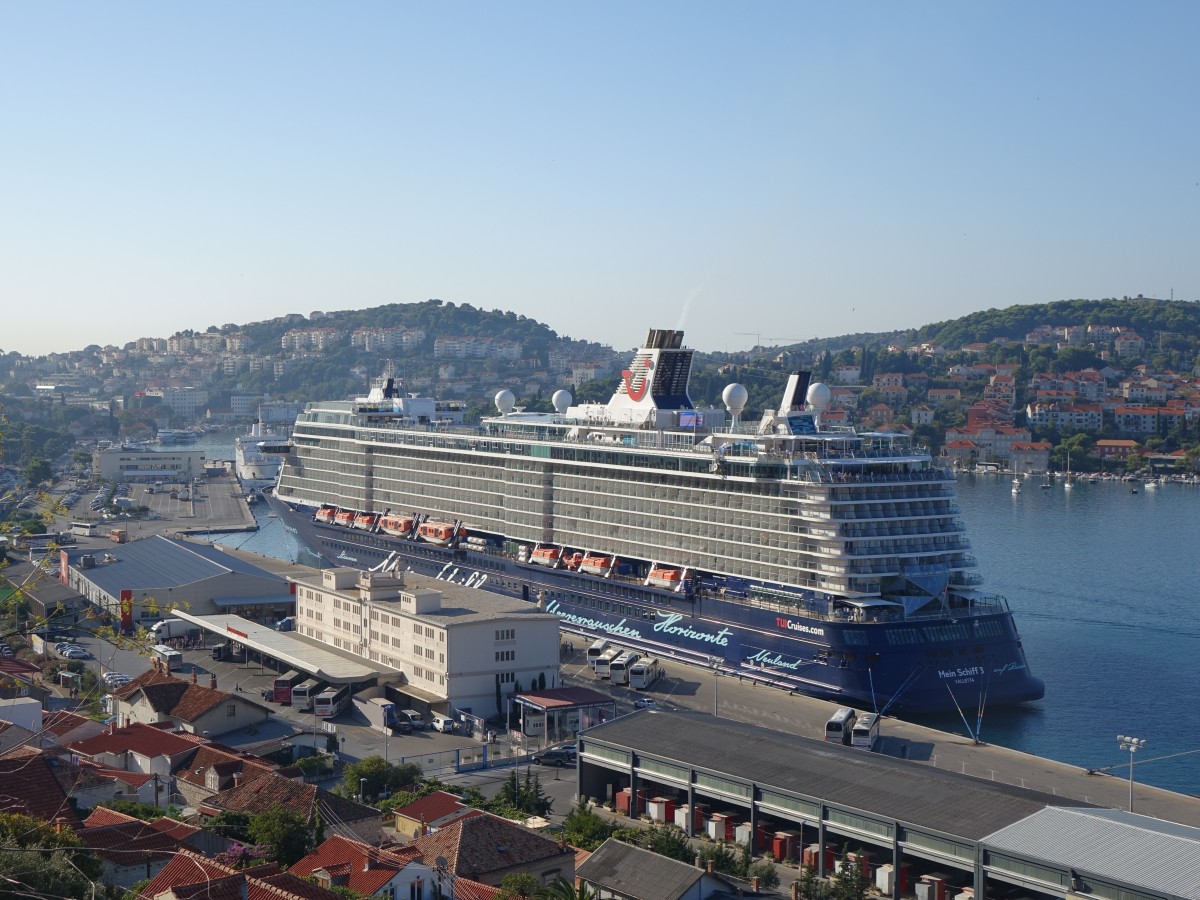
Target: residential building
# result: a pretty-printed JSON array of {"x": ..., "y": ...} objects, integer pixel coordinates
[
  {"x": 621, "y": 871},
  {"x": 347, "y": 817},
  {"x": 394, "y": 874},
  {"x": 486, "y": 848},
  {"x": 431, "y": 812},
  {"x": 193, "y": 876},
  {"x": 158, "y": 698}
]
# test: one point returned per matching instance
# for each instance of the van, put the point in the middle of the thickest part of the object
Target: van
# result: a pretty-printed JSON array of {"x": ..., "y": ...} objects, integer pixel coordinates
[
  {"x": 413, "y": 717},
  {"x": 444, "y": 724}
]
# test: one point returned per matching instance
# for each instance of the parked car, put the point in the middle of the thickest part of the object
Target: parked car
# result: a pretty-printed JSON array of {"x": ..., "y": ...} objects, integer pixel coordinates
[
  {"x": 645, "y": 703},
  {"x": 556, "y": 756},
  {"x": 76, "y": 653}
]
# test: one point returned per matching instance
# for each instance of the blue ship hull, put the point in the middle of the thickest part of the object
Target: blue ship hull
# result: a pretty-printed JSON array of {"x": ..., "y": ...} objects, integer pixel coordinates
[{"x": 929, "y": 665}]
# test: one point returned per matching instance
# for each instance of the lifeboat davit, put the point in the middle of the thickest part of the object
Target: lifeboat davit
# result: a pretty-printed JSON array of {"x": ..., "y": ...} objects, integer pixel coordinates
[{"x": 366, "y": 521}]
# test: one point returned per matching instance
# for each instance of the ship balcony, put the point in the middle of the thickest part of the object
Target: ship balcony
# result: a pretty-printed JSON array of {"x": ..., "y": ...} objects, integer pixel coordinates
[{"x": 965, "y": 579}]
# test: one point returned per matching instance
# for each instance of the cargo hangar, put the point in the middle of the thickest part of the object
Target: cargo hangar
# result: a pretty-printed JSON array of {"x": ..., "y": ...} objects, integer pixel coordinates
[{"x": 914, "y": 829}]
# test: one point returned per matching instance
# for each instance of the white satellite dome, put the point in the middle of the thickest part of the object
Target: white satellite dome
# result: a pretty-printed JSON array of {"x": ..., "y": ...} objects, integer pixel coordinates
[
  {"x": 504, "y": 401},
  {"x": 562, "y": 401},
  {"x": 818, "y": 396},
  {"x": 734, "y": 397}
]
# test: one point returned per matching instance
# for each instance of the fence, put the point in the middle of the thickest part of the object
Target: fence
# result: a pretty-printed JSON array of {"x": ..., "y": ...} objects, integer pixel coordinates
[{"x": 467, "y": 759}]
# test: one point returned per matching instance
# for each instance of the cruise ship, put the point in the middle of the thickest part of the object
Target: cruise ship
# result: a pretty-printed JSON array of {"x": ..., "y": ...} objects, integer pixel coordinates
[
  {"x": 824, "y": 559},
  {"x": 255, "y": 468}
]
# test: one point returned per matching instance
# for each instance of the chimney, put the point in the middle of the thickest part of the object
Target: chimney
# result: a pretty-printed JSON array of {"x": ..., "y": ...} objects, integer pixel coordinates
[
  {"x": 698, "y": 866},
  {"x": 212, "y": 680},
  {"x": 710, "y": 866},
  {"x": 237, "y": 779},
  {"x": 754, "y": 884},
  {"x": 193, "y": 674},
  {"x": 58, "y": 825},
  {"x": 112, "y": 726}
]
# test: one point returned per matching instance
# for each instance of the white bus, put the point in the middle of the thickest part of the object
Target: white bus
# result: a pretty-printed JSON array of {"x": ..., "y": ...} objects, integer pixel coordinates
[
  {"x": 595, "y": 651},
  {"x": 618, "y": 669},
  {"x": 644, "y": 673},
  {"x": 866, "y": 732},
  {"x": 171, "y": 657},
  {"x": 305, "y": 692},
  {"x": 840, "y": 727},
  {"x": 331, "y": 701},
  {"x": 604, "y": 661},
  {"x": 83, "y": 529}
]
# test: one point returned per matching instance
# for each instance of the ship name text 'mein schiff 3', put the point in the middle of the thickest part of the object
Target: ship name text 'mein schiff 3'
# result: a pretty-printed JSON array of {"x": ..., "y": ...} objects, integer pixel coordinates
[{"x": 829, "y": 560}]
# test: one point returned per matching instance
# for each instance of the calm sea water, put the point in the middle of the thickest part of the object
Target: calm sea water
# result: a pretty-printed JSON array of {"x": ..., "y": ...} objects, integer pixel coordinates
[{"x": 1103, "y": 583}]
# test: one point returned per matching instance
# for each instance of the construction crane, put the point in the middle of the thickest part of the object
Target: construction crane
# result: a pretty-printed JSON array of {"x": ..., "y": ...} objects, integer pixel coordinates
[{"x": 757, "y": 335}]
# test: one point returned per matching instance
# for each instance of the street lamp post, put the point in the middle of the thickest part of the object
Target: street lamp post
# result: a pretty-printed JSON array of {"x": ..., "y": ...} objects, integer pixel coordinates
[
  {"x": 362, "y": 790},
  {"x": 1133, "y": 745}
]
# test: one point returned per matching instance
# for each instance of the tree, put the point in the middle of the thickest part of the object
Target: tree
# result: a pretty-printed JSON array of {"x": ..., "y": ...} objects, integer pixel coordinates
[
  {"x": 518, "y": 884},
  {"x": 380, "y": 776},
  {"x": 232, "y": 825},
  {"x": 670, "y": 841},
  {"x": 766, "y": 873},
  {"x": 286, "y": 834},
  {"x": 850, "y": 883},
  {"x": 561, "y": 889},
  {"x": 31, "y": 873},
  {"x": 584, "y": 829}
]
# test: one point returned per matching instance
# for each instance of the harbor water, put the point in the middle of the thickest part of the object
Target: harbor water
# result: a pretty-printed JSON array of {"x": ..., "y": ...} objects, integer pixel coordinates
[{"x": 1102, "y": 582}]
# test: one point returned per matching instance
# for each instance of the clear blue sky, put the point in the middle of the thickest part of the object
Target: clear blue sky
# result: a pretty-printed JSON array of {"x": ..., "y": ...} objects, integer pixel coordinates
[{"x": 787, "y": 169}]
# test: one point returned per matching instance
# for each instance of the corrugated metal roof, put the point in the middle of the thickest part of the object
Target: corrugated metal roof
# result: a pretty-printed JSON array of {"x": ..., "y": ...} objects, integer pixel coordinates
[
  {"x": 890, "y": 788},
  {"x": 1111, "y": 844},
  {"x": 292, "y": 650},
  {"x": 160, "y": 562}
]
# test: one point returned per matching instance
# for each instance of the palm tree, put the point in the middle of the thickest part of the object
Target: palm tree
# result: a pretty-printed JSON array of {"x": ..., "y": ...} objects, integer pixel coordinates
[{"x": 561, "y": 889}]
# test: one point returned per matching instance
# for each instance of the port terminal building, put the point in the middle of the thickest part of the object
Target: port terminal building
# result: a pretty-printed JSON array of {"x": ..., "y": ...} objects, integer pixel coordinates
[{"x": 915, "y": 830}]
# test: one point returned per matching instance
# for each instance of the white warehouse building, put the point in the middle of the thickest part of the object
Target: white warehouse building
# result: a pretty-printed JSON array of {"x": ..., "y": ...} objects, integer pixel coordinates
[{"x": 452, "y": 643}]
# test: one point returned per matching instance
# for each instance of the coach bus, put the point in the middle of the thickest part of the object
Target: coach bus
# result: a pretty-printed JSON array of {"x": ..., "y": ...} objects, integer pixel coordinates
[
  {"x": 331, "y": 701},
  {"x": 840, "y": 727},
  {"x": 604, "y": 661},
  {"x": 644, "y": 673},
  {"x": 618, "y": 669},
  {"x": 595, "y": 651},
  {"x": 281, "y": 688},
  {"x": 305, "y": 692}
]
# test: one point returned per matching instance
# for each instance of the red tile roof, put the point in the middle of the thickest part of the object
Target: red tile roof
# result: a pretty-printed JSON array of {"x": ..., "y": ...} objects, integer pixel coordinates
[
  {"x": 433, "y": 808},
  {"x": 190, "y": 875},
  {"x": 144, "y": 740},
  {"x": 102, "y": 815},
  {"x": 274, "y": 791},
  {"x": 129, "y": 843},
  {"x": 226, "y": 761},
  {"x": 354, "y": 864},
  {"x": 62, "y": 722},
  {"x": 29, "y": 784},
  {"x": 466, "y": 889},
  {"x": 481, "y": 844}
]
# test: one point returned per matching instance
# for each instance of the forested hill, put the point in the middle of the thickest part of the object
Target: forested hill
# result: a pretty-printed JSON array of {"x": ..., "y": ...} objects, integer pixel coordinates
[{"x": 1145, "y": 316}]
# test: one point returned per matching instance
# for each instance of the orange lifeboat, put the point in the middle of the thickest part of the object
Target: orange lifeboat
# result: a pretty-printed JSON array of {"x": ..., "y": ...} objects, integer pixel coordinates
[
  {"x": 572, "y": 560},
  {"x": 366, "y": 521},
  {"x": 546, "y": 556},
  {"x": 664, "y": 577},
  {"x": 325, "y": 514},
  {"x": 440, "y": 533},
  {"x": 345, "y": 518},
  {"x": 400, "y": 526},
  {"x": 597, "y": 565}
]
